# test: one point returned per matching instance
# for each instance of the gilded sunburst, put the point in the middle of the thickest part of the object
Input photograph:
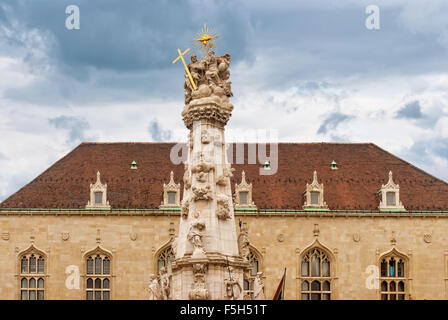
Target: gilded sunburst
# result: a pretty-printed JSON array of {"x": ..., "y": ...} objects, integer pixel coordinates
[{"x": 205, "y": 39}]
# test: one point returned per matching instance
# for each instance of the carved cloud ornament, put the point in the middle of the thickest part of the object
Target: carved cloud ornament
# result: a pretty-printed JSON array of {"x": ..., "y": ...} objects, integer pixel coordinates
[{"x": 223, "y": 207}]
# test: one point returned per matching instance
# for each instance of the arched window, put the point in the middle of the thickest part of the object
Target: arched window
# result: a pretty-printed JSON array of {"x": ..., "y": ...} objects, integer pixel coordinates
[
  {"x": 165, "y": 257},
  {"x": 315, "y": 275},
  {"x": 393, "y": 279},
  {"x": 98, "y": 276},
  {"x": 32, "y": 276},
  {"x": 249, "y": 278}
]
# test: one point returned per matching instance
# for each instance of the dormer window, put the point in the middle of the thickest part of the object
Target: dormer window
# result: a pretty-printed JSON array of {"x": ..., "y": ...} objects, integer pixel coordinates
[
  {"x": 243, "y": 194},
  {"x": 390, "y": 198},
  {"x": 171, "y": 194},
  {"x": 172, "y": 197},
  {"x": 243, "y": 197},
  {"x": 315, "y": 198},
  {"x": 98, "y": 195},
  {"x": 98, "y": 198},
  {"x": 134, "y": 165},
  {"x": 389, "y": 195},
  {"x": 314, "y": 195}
]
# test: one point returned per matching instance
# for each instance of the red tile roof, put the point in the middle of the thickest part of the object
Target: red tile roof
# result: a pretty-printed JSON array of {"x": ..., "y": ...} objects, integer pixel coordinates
[{"x": 363, "y": 168}]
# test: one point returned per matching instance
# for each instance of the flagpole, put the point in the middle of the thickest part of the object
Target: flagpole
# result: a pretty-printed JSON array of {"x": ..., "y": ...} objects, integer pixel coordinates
[{"x": 284, "y": 282}]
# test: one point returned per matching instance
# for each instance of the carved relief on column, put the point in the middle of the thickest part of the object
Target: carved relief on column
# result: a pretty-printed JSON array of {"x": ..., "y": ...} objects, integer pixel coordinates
[
  {"x": 223, "y": 207},
  {"x": 185, "y": 208},
  {"x": 195, "y": 234},
  {"x": 199, "y": 291},
  {"x": 187, "y": 177},
  {"x": 227, "y": 173},
  {"x": 202, "y": 193}
]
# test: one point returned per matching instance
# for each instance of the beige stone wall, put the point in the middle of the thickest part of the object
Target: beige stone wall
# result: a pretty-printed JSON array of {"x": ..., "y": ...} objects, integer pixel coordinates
[{"x": 280, "y": 239}]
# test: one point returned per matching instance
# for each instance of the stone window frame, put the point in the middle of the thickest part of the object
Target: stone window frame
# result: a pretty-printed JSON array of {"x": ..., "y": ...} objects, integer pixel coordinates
[
  {"x": 332, "y": 278},
  {"x": 390, "y": 186},
  {"x": 170, "y": 187},
  {"x": 164, "y": 254},
  {"x": 243, "y": 186},
  {"x": 37, "y": 253},
  {"x": 314, "y": 186},
  {"x": 249, "y": 277},
  {"x": 103, "y": 253},
  {"x": 405, "y": 279},
  {"x": 98, "y": 187}
]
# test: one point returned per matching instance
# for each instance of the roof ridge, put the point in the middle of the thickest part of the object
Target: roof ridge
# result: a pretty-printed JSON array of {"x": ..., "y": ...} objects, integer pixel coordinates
[
  {"x": 408, "y": 163},
  {"x": 171, "y": 142}
]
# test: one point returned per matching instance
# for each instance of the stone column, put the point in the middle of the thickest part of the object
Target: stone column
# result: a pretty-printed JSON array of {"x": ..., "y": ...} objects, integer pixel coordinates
[{"x": 208, "y": 264}]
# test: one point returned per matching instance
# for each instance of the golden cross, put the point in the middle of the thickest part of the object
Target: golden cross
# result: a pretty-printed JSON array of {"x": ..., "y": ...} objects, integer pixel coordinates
[{"x": 181, "y": 56}]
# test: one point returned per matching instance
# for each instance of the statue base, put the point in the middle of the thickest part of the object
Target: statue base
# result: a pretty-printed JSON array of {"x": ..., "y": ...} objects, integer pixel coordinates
[{"x": 213, "y": 277}]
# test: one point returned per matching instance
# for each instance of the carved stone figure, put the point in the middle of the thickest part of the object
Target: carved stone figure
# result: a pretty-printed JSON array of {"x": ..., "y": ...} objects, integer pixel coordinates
[
  {"x": 197, "y": 73},
  {"x": 244, "y": 245},
  {"x": 205, "y": 137},
  {"x": 195, "y": 233},
  {"x": 232, "y": 286},
  {"x": 174, "y": 245},
  {"x": 223, "y": 207},
  {"x": 203, "y": 165},
  {"x": 202, "y": 193},
  {"x": 187, "y": 177},
  {"x": 259, "y": 287},
  {"x": 223, "y": 179},
  {"x": 165, "y": 283},
  {"x": 211, "y": 72},
  {"x": 185, "y": 208},
  {"x": 201, "y": 177},
  {"x": 199, "y": 290},
  {"x": 154, "y": 288}
]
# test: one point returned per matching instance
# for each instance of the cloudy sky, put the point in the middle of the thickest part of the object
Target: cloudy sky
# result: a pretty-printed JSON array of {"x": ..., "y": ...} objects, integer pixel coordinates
[{"x": 309, "y": 69}]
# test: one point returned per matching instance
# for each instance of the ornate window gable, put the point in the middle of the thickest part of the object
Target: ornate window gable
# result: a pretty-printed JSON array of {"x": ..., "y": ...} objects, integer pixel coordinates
[
  {"x": 314, "y": 195},
  {"x": 394, "y": 274},
  {"x": 171, "y": 194},
  {"x": 98, "y": 195},
  {"x": 98, "y": 274},
  {"x": 32, "y": 265},
  {"x": 317, "y": 271},
  {"x": 243, "y": 194},
  {"x": 390, "y": 196}
]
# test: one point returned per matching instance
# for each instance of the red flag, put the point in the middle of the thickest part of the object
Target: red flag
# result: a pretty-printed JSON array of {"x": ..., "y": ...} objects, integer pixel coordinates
[{"x": 280, "y": 292}]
